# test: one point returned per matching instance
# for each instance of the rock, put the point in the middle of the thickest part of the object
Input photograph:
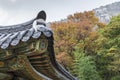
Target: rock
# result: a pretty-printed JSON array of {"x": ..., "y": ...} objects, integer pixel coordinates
[{"x": 105, "y": 13}]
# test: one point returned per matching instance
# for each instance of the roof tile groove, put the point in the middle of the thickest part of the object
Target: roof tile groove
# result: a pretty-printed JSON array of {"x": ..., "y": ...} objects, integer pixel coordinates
[{"x": 12, "y": 35}]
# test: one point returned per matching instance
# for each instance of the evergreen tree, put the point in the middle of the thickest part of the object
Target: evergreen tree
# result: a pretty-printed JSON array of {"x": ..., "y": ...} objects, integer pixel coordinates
[
  {"x": 84, "y": 66},
  {"x": 108, "y": 49}
]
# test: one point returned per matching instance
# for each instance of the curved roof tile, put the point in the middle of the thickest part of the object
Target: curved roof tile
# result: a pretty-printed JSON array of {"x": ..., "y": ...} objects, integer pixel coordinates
[{"x": 12, "y": 35}]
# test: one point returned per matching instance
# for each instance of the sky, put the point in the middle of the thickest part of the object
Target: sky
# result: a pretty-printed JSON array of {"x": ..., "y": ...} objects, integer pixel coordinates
[{"x": 19, "y": 11}]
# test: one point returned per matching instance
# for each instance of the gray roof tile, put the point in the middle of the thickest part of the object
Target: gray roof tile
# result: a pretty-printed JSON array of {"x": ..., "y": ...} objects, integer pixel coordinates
[
  {"x": 36, "y": 34},
  {"x": 12, "y": 35}
]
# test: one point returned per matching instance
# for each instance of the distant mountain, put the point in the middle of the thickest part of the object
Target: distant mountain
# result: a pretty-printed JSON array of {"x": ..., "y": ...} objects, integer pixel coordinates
[{"x": 104, "y": 13}]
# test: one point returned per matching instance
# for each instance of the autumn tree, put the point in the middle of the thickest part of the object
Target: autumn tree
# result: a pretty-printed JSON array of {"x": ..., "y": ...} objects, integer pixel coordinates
[
  {"x": 79, "y": 30},
  {"x": 70, "y": 33},
  {"x": 65, "y": 60}
]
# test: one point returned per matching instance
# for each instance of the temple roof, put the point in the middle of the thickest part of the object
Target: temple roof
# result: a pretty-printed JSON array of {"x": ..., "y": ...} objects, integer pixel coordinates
[
  {"x": 38, "y": 62},
  {"x": 12, "y": 35}
]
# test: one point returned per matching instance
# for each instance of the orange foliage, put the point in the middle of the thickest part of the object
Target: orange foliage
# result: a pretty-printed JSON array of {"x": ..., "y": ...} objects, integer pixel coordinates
[
  {"x": 101, "y": 25},
  {"x": 86, "y": 16},
  {"x": 77, "y": 28},
  {"x": 64, "y": 59}
]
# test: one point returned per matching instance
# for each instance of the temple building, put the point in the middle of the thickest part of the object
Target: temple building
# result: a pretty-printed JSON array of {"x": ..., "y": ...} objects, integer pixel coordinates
[{"x": 27, "y": 52}]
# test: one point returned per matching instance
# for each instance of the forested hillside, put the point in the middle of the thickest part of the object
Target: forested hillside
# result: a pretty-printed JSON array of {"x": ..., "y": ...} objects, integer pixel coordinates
[{"x": 90, "y": 50}]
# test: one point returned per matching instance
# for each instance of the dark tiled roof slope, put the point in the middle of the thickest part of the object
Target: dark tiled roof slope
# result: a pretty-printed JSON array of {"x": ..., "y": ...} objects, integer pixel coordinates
[{"x": 12, "y": 35}]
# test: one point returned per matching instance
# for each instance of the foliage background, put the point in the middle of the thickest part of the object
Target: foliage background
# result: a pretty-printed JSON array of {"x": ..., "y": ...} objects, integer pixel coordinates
[{"x": 90, "y": 50}]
